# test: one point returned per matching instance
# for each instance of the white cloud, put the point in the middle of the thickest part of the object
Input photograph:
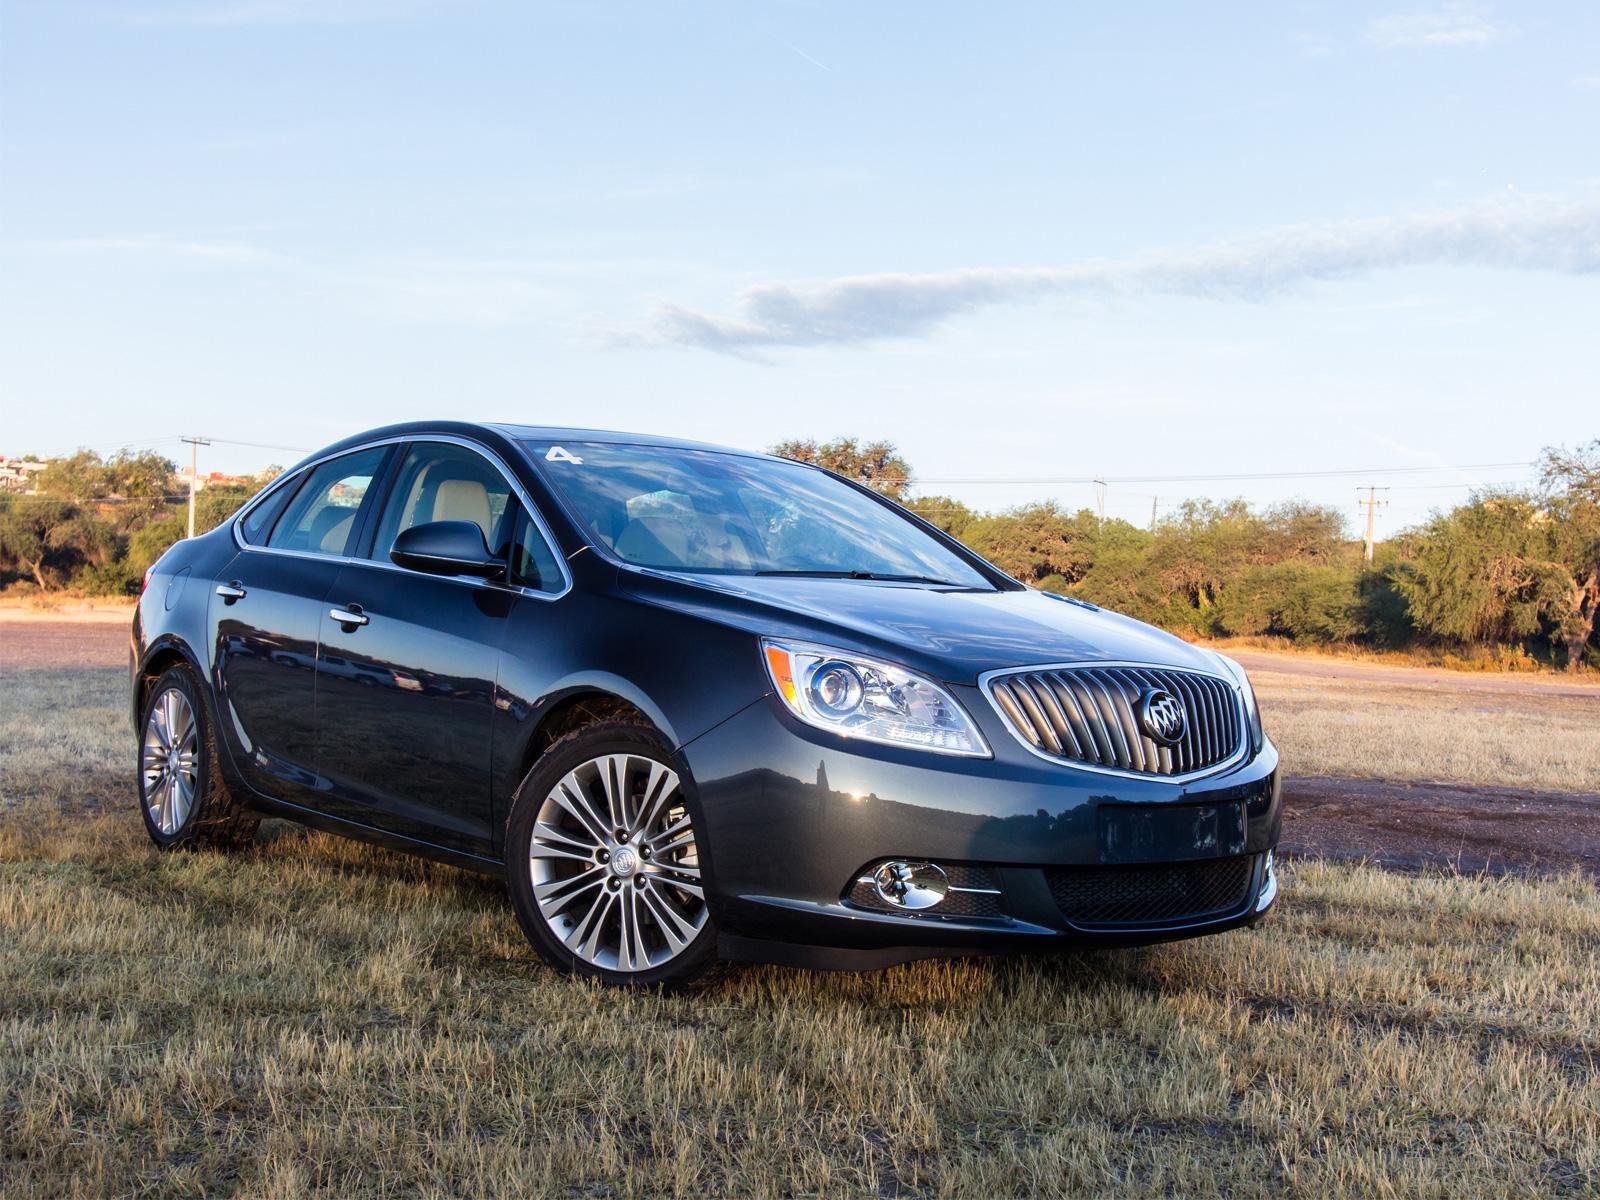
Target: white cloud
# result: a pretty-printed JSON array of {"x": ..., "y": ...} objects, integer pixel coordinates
[
  {"x": 1452, "y": 24},
  {"x": 1588, "y": 83},
  {"x": 1517, "y": 233}
]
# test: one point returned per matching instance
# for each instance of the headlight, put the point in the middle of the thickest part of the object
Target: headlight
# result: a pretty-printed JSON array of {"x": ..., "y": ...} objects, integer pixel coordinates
[
  {"x": 1251, "y": 711},
  {"x": 844, "y": 693}
]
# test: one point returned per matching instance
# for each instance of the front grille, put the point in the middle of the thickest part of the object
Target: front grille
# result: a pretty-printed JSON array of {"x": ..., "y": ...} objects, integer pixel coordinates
[
  {"x": 1090, "y": 715},
  {"x": 1154, "y": 894},
  {"x": 973, "y": 893}
]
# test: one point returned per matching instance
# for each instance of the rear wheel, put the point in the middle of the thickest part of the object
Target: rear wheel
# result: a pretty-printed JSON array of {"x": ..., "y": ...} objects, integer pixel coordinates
[
  {"x": 603, "y": 861},
  {"x": 182, "y": 796}
]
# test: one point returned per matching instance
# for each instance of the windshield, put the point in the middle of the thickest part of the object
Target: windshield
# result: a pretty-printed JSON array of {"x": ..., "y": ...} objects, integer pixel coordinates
[{"x": 699, "y": 510}]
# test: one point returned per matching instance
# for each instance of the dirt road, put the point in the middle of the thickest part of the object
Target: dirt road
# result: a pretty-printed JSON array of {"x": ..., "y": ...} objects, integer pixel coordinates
[
  {"x": 31, "y": 642},
  {"x": 1423, "y": 825},
  {"x": 1437, "y": 679}
]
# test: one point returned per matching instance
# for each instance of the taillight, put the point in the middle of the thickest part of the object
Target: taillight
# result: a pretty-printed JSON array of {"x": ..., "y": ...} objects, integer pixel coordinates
[{"x": 145, "y": 582}]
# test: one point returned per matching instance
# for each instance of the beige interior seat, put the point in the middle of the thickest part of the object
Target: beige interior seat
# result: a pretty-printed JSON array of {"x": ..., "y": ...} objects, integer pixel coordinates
[{"x": 464, "y": 500}]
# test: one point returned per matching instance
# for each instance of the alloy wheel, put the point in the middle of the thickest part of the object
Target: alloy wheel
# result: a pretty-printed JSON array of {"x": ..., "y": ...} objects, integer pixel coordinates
[
  {"x": 169, "y": 761},
  {"x": 614, "y": 864}
]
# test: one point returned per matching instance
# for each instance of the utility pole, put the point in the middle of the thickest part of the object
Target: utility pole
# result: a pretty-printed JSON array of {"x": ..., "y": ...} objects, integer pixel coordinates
[
  {"x": 1153, "y": 501},
  {"x": 1372, "y": 504},
  {"x": 1100, "y": 500},
  {"x": 194, "y": 463}
]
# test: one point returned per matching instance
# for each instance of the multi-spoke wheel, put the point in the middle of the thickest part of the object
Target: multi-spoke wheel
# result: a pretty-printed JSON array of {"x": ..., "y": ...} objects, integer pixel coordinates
[
  {"x": 170, "y": 761},
  {"x": 604, "y": 865},
  {"x": 184, "y": 801}
]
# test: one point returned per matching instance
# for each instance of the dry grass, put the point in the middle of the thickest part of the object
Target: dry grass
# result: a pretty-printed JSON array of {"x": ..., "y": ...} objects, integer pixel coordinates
[
  {"x": 1364, "y": 729},
  {"x": 317, "y": 1017}
]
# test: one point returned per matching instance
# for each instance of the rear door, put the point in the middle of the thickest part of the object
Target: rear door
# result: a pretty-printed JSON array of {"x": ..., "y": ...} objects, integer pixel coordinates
[
  {"x": 265, "y": 620},
  {"x": 405, "y": 697}
]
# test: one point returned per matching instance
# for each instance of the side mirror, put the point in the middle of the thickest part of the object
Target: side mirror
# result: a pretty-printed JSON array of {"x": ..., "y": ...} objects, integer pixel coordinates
[{"x": 447, "y": 548}]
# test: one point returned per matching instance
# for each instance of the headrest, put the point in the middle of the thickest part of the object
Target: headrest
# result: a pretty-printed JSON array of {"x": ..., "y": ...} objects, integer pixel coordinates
[{"x": 463, "y": 500}]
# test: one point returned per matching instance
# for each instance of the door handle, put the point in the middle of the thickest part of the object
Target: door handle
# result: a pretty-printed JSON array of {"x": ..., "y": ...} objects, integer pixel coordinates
[
  {"x": 231, "y": 591},
  {"x": 348, "y": 616}
]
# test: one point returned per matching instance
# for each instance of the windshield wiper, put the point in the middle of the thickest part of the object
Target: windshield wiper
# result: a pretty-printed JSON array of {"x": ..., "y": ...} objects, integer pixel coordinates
[{"x": 879, "y": 575}]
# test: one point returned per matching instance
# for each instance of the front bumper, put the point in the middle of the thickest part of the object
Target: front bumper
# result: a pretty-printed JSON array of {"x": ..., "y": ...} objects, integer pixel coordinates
[{"x": 793, "y": 816}]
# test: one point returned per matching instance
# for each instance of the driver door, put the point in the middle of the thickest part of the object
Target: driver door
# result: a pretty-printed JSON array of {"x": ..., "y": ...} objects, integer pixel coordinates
[{"x": 405, "y": 696}]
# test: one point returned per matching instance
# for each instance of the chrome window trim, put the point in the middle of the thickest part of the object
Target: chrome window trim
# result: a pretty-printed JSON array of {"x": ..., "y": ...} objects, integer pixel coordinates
[
  {"x": 494, "y": 459},
  {"x": 1240, "y": 755}
]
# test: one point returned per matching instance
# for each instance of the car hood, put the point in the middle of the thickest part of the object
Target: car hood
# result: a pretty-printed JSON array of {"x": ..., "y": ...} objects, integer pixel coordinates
[{"x": 950, "y": 633}]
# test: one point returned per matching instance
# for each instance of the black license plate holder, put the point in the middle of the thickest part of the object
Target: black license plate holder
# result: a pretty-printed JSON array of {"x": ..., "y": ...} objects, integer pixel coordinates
[{"x": 1142, "y": 833}]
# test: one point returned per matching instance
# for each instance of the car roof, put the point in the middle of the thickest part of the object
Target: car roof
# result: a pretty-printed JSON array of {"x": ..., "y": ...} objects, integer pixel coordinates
[
  {"x": 515, "y": 433},
  {"x": 571, "y": 433}
]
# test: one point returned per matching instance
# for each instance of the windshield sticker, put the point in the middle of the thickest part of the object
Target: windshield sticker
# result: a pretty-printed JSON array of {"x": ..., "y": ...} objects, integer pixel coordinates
[{"x": 561, "y": 454}]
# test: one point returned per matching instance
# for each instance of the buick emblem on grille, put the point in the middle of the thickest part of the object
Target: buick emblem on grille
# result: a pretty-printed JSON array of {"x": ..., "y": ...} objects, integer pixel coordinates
[{"x": 1162, "y": 717}]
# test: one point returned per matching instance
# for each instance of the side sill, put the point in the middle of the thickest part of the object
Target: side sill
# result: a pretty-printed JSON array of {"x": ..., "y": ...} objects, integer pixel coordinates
[{"x": 477, "y": 863}]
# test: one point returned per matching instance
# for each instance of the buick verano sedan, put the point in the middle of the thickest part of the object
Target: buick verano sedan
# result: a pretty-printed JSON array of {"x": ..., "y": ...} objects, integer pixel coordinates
[{"x": 693, "y": 703}]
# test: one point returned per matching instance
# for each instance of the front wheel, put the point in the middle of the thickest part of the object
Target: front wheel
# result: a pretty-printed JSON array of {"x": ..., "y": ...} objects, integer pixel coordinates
[
  {"x": 185, "y": 802},
  {"x": 603, "y": 861}
]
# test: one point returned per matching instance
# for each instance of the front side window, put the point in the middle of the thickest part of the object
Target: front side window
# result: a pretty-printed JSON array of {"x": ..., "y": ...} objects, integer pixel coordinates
[
  {"x": 706, "y": 511},
  {"x": 321, "y": 518},
  {"x": 441, "y": 481}
]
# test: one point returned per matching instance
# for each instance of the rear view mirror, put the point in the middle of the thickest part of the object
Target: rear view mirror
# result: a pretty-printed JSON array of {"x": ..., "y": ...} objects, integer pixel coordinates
[{"x": 447, "y": 548}]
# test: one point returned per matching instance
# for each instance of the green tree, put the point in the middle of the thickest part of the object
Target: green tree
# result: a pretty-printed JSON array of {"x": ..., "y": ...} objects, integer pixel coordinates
[
  {"x": 51, "y": 540},
  {"x": 1305, "y": 600},
  {"x": 1469, "y": 576},
  {"x": 878, "y": 465},
  {"x": 952, "y": 516},
  {"x": 1571, "y": 577},
  {"x": 150, "y": 543},
  {"x": 1035, "y": 541}
]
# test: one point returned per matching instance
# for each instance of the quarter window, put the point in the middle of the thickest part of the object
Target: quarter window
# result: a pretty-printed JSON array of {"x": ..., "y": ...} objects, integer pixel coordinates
[
  {"x": 255, "y": 523},
  {"x": 322, "y": 516}
]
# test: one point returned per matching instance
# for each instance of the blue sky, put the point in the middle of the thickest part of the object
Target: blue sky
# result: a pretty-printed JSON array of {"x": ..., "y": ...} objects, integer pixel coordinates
[{"x": 1024, "y": 241}]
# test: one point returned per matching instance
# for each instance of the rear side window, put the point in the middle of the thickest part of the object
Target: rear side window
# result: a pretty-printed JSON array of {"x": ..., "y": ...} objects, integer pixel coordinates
[
  {"x": 322, "y": 516},
  {"x": 253, "y": 527}
]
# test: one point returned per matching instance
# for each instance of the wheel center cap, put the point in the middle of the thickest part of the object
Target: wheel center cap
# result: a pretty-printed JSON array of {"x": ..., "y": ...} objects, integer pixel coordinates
[{"x": 624, "y": 861}]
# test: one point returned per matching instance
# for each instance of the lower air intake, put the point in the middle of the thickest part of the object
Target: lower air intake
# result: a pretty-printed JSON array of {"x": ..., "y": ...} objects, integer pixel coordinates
[{"x": 1151, "y": 894}]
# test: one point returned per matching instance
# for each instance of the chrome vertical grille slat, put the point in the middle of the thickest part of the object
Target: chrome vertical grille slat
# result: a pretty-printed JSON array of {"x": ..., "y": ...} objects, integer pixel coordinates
[{"x": 1089, "y": 715}]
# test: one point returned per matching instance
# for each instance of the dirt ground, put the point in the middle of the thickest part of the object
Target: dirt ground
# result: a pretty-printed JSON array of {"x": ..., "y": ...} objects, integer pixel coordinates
[
  {"x": 1405, "y": 825},
  {"x": 1586, "y": 686},
  {"x": 50, "y": 642},
  {"x": 1425, "y": 825}
]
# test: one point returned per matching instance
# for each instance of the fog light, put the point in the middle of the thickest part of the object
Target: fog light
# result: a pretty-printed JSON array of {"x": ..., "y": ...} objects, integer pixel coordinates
[
  {"x": 1269, "y": 886},
  {"x": 913, "y": 885}
]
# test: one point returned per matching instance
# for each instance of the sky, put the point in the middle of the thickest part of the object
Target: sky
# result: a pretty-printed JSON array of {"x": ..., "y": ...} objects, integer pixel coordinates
[{"x": 1031, "y": 244}]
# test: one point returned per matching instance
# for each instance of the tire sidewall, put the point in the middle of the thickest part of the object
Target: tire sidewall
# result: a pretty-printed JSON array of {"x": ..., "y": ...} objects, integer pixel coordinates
[
  {"x": 567, "y": 753},
  {"x": 180, "y": 679}
]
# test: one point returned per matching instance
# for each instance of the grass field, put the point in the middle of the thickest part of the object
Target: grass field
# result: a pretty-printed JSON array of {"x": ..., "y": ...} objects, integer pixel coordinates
[
  {"x": 318, "y": 1017},
  {"x": 1379, "y": 730}
]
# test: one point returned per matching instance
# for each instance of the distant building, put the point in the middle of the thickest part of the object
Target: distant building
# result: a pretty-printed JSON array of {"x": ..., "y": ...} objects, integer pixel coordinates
[
  {"x": 16, "y": 474},
  {"x": 212, "y": 479}
]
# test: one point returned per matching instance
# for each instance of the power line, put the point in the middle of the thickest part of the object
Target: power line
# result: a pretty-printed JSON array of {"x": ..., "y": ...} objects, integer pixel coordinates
[{"x": 262, "y": 445}]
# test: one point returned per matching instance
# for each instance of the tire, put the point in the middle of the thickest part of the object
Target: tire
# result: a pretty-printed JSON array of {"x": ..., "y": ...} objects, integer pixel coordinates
[
  {"x": 183, "y": 799},
  {"x": 629, "y": 911}
]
